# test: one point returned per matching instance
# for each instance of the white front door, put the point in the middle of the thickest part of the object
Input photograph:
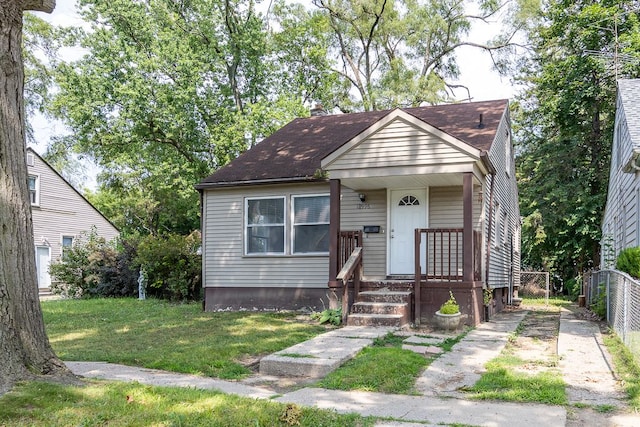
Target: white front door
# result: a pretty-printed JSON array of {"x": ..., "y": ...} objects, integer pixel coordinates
[
  {"x": 43, "y": 259},
  {"x": 408, "y": 211}
]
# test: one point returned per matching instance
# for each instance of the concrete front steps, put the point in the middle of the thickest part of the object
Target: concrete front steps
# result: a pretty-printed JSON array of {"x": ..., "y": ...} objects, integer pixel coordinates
[{"x": 381, "y": 308}]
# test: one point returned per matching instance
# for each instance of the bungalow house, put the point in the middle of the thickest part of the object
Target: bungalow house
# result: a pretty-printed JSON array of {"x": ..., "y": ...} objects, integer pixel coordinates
[
  {"x": 621, "y": 223},
  {"x": 60, "y": 215},
  {"x": 397, "y": 208}
]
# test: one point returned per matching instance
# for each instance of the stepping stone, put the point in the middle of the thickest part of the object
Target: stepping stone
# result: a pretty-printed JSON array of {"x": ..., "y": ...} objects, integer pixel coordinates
[
  {"x": 414, "y": 339},
  {"x": 424, "y": 350}
]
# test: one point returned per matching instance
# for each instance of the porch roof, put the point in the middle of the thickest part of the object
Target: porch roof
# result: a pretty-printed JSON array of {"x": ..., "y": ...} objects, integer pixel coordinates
[{"x": 295, "y": 152}]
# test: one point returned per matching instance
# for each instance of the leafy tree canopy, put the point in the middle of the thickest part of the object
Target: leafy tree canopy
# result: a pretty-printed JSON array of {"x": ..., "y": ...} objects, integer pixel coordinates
[{"x": 564, "y": 125}]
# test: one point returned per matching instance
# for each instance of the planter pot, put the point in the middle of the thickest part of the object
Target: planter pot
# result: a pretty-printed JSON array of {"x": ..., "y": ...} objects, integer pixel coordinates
[
  {"x": 516, "y": 302},
  {"x": 487, "y": 313},
  {"x": 448, "y": 322}
]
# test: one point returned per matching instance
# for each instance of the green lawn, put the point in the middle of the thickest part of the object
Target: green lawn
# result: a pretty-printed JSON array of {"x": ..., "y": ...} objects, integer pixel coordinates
[
  {"x": 174, "y": 337},
  {"x": 114, "y": 404}
]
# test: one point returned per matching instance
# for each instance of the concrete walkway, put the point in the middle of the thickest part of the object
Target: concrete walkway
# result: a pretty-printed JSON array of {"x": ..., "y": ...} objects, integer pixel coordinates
[{"x": 440, "y": 403}]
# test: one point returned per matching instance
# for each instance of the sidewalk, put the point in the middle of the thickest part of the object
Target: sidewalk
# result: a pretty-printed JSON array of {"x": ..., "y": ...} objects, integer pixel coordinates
[{"x": 583, "y": 363}]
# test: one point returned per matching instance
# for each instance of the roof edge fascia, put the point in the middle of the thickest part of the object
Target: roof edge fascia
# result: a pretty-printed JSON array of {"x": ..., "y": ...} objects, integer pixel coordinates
[{"x": 255, "y": 182}]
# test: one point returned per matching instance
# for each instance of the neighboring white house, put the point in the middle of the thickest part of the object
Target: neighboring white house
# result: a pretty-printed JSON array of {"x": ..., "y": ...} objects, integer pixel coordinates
[
  {"x": 60, "y": 215},
  {"x": 621, "y": 224},
  {"x": 276, "y": 221}
]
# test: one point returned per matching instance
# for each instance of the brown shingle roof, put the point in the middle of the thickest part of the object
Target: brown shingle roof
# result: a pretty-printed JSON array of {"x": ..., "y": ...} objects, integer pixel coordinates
[{"x": 295, "y": 151}]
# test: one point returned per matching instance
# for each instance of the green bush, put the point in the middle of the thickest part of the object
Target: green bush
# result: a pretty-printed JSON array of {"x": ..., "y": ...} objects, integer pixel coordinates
[
  {"x": 92, "y": 267},
  {"x": 629, "y": 261},
  {"x": 172, "y": 265},
  {"x": 599, "y": 306}
]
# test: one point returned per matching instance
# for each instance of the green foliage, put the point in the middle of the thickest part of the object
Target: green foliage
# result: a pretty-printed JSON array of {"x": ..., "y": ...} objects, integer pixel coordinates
[
  {"x": 172, "y": 265},
  {"x": 564, "y": 124},
  {"x": 629, "y": 261},
  {"x": 599, "y": 306},
  {"x": 450, "y": 306},
  {"x": 93, "y": 266},
  {"x": 626, "y": 367},
  {"x": 330, "y": 315}
]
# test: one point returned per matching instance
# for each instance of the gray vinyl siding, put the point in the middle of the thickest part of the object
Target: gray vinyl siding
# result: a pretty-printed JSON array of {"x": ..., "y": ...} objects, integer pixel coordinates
[
  {"x": 399, "y": 144},
  {"x": 502, "y": 258},
  {"x": 620, "y": 227},
  {"x": 62, "y": 211},
  {"x": 445, "y": 207},
  {"x": 355, "y": 215},
  {"x": 224, "y": 261}
]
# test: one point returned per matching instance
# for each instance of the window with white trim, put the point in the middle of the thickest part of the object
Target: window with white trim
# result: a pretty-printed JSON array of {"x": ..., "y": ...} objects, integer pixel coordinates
[
  {"x": 34, "y": 189},
  {"x": 496, "y": 224},
  {"x": 265, "y": 225},
  {"x": 67, "y": 243},
  {"x": 310, "y": 224}
]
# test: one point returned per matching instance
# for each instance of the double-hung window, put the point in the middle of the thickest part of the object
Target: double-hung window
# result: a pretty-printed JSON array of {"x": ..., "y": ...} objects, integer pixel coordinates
[
  {"x": 310, "y": 224},
  {"x": 265, "y": 225},
  {"x": 34, "y": 189},
  {"x": 67, "y": 243}
]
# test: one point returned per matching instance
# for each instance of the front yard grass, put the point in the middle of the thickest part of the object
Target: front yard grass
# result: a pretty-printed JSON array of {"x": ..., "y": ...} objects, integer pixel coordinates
[
  {"x": 173, "y": 337},
  {"x": 382, "y": 368},
  {"x": 102, "y": 403}
]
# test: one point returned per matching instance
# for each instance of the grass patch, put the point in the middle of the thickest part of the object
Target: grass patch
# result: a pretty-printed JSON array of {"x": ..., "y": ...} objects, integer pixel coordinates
[
  {"x": 555, "y": 302},
  {"x": 173, "y": 337},
  {"x": 626, "y": 367},
  {"x": 378, "y": 369},
  {"x": 131, "y": 404},
  {"x": 501, "y": 382}
]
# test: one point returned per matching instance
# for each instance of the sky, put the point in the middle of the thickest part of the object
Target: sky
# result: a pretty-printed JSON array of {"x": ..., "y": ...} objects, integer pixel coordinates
[{"x": 475, "y": 65}]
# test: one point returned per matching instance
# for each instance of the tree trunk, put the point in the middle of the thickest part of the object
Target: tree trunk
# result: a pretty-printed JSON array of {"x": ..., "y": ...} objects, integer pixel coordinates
[{"x": 25, "y": 352}]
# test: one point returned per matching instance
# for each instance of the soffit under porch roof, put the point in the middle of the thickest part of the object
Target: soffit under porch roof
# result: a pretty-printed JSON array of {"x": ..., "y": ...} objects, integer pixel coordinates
[{"x": 397, "y": 179}]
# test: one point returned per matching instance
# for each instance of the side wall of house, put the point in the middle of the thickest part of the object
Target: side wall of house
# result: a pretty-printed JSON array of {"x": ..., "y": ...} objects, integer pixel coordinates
[
  {"x": 62, "y": 211},
  {"x": 503, "y": 232},
  {"x": 620, "y": 226}
]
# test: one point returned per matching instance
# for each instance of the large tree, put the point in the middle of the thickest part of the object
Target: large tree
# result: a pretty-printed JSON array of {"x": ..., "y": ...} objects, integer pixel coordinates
[
  {"x": 169, "y": 91},
  {"x": 24, "y": 348},
  {"x": 565, "y": 125},
  {"x": 403, "y": 52}
]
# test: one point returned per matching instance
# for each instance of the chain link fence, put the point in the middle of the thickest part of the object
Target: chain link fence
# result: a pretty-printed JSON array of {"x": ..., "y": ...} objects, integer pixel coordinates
[
  {"x": 534, "y": 284},
  {"x": 619, "y": 293}
]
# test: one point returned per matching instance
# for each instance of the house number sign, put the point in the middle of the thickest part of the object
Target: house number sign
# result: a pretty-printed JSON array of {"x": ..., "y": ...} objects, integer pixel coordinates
[{"x": 364, "y": 206}]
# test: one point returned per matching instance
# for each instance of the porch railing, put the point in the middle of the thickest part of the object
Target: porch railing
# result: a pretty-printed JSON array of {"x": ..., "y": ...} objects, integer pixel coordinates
[
  {"x": 439, "y": 257},
  {"x": 352, "y": 270},
  {"x": 348, "y": 241}
]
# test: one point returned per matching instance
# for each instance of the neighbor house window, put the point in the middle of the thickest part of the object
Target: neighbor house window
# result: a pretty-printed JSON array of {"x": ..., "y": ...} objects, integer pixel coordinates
[
  {"x": 67, "y": 243},
  {"x": 34, "y": 189},
  {"x": 265, "y": 225},
  {"x": 310, "y": 224}
]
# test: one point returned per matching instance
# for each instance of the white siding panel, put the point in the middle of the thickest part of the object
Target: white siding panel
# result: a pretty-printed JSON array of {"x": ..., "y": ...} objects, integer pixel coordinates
[
  {"x": 62, "y": 211},
  {"x": 225, "y": 264},
  {"x": 355, "y": 215},
  {"x": 400, "y": 144}
]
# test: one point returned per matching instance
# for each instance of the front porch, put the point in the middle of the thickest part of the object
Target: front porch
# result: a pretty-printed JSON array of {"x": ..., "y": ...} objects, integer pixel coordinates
[{"x": 442, "y": 260}]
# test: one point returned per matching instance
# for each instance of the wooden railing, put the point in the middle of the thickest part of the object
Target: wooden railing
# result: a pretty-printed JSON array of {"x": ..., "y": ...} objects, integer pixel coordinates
[
  {"x": 439, "y": 257},
  {"x": 348, "y": 241},
  {"x": 352, "y": 269}
]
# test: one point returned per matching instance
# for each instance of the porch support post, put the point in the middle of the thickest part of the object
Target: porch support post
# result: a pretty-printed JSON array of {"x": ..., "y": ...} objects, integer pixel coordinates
[
  {"x": 467, "y": 236},
  {"x": 334, "y": 231}
]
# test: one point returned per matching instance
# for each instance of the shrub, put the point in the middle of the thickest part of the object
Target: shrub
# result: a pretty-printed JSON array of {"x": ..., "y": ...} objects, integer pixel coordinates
[
  {"x": 92, "y": 267},
  {"x": 599, "y": 306},
  {"x": 629, "y": 261},
  {"x": 450, "y": 306},
  {"x": 172, "y": 265}
]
